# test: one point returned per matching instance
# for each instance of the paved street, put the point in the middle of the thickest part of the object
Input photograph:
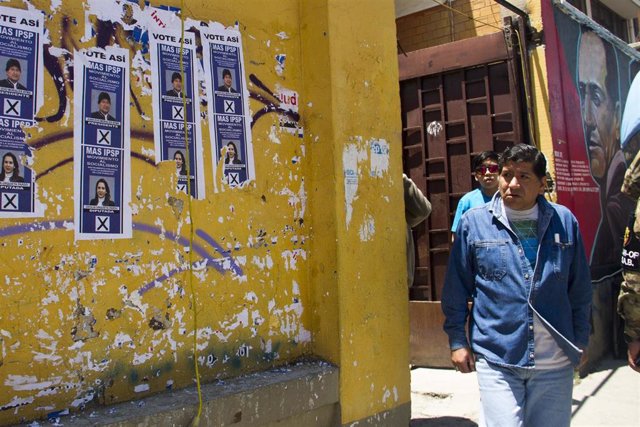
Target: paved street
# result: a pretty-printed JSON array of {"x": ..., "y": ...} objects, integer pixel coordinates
[{"x": 608, "y": 397}]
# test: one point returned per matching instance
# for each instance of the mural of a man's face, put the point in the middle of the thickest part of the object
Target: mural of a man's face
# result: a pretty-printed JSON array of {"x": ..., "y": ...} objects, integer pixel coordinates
[{"x": 599, "y": 109}]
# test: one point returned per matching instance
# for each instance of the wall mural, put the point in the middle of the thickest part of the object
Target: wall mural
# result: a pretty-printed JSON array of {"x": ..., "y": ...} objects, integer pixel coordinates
[{"x": 590, "y": 73}]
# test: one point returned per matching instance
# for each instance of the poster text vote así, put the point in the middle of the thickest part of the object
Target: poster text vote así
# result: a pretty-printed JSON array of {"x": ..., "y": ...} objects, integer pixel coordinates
[
  {"x": 102, "y": 154},
  {"x": 176, "y": 106},
  {"x": 21, "y": 81}
]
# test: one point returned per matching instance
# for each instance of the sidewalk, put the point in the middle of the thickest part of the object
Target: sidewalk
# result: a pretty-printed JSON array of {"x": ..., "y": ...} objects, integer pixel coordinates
[{"x": 608, "y": 397}]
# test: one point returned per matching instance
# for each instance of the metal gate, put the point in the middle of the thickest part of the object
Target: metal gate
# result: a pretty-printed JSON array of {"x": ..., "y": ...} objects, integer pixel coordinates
[{"x": 457, "y": 100}]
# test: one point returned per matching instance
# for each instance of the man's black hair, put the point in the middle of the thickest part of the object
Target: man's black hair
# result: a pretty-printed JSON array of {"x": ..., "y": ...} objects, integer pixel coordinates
[
  {"x": 480, "y": 158},
  {"x": 103, "y": 96},
  {"x": 226, "y": 72},
  {"x": 176, "y": 76},
  {"x": 525, "y": 153},
  {"x": 13, "y": 63}
]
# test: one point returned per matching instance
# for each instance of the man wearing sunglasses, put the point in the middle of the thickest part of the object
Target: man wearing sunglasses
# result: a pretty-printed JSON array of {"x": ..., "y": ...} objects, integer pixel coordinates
[{"x": 485, "y": 172}]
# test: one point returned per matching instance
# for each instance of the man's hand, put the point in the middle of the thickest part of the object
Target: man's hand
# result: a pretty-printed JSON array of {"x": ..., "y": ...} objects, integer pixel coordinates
[
  {"x": 463, "y": 360},
  {"x": 583, "y": 360},
  {"x": 634, "y": 354}
]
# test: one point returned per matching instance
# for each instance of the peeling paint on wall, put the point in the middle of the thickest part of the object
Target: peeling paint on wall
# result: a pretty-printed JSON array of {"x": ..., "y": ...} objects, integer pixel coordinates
[
  {"x": 367, "y": 229},
  {"x": 280, "y": 61},
  {"x": 379, "y": 157},
  {"x": 97, "y": 323},
  {"x": 351, "y": 157},
  {"x": 291, "y": 258},
  {"x": 390, "y": 393},
  {"x": 354, "y": 157}
]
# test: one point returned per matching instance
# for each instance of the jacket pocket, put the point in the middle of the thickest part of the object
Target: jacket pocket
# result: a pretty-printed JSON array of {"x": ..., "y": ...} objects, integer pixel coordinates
[
  {"x": 491, "y": 258},
  {"x": 561, "y": 256}
]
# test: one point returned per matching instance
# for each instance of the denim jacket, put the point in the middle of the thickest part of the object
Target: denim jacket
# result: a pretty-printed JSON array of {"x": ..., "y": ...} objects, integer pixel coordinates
[{"x": 488, "y": 266}]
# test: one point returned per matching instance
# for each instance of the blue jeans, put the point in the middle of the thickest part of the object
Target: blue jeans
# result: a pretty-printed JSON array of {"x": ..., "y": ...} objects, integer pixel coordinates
[{"x": 514, "y": 397}]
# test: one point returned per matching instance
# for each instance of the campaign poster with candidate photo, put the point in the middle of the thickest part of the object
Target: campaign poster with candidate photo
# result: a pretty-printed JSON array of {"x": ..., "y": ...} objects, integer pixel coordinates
[
  {"x": 102, "y": 148},
  {"x": 20, "y": 97},
  {"x": 176, "y": 107},
  {"x": 228, "y": 98}
]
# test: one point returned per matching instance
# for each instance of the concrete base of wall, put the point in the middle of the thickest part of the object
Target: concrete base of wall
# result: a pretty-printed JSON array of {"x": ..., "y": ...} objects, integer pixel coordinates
[
  {"x": 305, "y": 394},
  {"x": 398, "y": 416}
]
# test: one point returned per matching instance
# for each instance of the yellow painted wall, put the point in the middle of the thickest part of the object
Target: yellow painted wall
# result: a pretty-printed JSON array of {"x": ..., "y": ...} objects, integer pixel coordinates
[
  {"x": 309, "y": 265},
  {"x": 360, "y": 311},
  {"x": 354, "y": 81}
]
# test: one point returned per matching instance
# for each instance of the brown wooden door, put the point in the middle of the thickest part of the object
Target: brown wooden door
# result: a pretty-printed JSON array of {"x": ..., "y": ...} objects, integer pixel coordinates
[{"x": 457, "y": 100}]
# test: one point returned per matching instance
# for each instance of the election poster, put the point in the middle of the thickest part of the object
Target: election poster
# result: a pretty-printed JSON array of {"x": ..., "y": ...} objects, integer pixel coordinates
[
  {"x": 102, "y": 147},
  {"x": 20, "y": 97},
  {"x": 229, "y": 118},
  {"x": 176, "y": 107}
]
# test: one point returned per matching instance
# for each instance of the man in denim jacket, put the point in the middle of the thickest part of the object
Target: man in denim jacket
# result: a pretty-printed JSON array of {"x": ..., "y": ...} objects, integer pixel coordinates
[{"x": 521, "y": 261}]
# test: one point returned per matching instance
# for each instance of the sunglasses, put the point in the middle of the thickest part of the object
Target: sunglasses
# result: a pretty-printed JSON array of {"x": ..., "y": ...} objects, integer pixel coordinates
[{"x": 492, "y": 169}]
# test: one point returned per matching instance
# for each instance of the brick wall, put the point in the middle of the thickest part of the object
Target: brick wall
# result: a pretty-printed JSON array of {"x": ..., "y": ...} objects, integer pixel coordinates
[{"x": 434, "y": 26}]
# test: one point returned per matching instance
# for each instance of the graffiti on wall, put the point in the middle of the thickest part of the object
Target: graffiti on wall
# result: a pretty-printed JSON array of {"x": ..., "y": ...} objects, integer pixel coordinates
[{"x": 90, "y": 322}]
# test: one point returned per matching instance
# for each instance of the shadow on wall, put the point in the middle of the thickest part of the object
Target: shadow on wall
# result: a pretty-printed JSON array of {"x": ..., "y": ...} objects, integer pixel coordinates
[
  {"x": 606, "y": 339},
  {"x": 442, "y": 422}
]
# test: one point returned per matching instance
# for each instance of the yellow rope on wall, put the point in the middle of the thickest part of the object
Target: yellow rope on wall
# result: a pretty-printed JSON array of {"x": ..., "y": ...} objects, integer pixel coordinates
[{"x": 196, "y": 419}]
